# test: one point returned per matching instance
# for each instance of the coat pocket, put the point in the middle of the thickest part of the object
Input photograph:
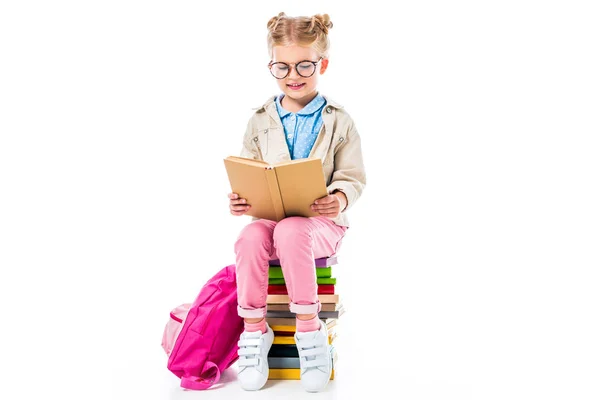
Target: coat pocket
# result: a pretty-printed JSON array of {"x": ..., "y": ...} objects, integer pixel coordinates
[{"x": 260, "y": 140}]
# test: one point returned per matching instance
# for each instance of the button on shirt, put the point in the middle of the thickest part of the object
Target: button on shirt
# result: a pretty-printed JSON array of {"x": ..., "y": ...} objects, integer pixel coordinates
[{"x": 302, "y": 128}]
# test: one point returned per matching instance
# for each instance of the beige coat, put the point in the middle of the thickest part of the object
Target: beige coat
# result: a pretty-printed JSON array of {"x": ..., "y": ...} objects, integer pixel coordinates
[{"x": 338, "y": 147}]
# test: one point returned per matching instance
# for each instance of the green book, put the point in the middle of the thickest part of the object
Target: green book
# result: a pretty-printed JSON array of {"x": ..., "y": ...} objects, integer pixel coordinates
[
  {"x": 320, "y": 281},
  {"x": 277, "y": 272}
]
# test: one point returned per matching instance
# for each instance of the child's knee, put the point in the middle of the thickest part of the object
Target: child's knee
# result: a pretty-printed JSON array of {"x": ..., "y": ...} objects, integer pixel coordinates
[
  {"x": 253, "y": 235},
  {"x": 292, "y": 230}
]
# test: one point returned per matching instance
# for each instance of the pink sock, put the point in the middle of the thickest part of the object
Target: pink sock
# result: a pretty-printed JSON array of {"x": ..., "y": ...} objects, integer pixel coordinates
[
  {"x": 259, "y": 326},
  {"x": 313, "y": 324}
]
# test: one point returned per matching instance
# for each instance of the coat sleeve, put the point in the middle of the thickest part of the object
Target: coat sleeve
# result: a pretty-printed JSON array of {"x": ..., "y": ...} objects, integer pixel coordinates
[{"x": 349, "y": 172}]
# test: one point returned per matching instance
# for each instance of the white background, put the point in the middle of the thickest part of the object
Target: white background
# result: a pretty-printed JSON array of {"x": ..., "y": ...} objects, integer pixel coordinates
[{"x": 470, "y": 269}]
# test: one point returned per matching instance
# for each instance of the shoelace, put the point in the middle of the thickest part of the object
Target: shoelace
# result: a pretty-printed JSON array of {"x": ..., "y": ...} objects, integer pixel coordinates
[
  {"x": 312, "y": 354},
  {"x": 249, "y": 350}
]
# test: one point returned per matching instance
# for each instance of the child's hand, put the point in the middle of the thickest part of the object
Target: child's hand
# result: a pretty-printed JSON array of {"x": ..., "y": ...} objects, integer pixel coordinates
[
  {"x": 237, "y": 206},
  {"x": 330, "y": 206}
]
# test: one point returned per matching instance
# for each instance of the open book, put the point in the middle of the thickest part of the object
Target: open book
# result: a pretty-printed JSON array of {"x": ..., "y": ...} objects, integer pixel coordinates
[{"x": 277, "y": 191}]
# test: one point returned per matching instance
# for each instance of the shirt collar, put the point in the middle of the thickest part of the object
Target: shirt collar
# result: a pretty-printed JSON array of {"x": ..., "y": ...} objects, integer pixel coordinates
[
  {"x": 315, "y": 105},
  {"x": 270, "y": 102},
  {"x": 280, "y": 110}
]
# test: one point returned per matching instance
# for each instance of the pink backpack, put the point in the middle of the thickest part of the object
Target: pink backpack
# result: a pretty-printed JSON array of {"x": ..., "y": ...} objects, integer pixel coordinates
[{"x": 201, "y": 338}]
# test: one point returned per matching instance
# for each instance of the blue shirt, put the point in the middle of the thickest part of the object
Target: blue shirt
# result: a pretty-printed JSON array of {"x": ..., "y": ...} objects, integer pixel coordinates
[{"x": 302, "y": 128}]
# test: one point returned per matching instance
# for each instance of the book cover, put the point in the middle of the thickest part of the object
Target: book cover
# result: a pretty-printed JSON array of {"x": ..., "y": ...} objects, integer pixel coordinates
[
  {"x": 282, "y": 289},
  {"x": 285, "y": 307},
  {"x": 294, "y": 362},
  {"x": 283, "y": 362},
  {"x": 283, "y": 333},
  {"x": 289, "y": 324},
  {"x": 320, "y": 281},
  {"x": 288, "y": 314},
  {"x": 290, "y": 374},
  {"x": 285, "y": 299},
  {"x": 277, "y": 272},
  {"x": 289, "y": 367},
  {"x": 319, "y": 262},
  {"x": 290, "y": 339},
  {"x": 280, "y": 190},
  {"x": 283, "y": 350}
]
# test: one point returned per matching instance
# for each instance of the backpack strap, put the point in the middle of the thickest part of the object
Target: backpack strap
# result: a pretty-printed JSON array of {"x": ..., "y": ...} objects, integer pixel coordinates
[{"x": 198, "y": 383}]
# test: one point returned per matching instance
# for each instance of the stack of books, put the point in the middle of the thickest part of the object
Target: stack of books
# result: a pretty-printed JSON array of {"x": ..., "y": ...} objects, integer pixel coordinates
[{"x": 284, "y": 362}]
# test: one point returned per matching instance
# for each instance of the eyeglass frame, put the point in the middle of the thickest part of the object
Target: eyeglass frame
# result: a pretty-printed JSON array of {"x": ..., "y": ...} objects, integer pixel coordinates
[{"x": 314, "y": 63}]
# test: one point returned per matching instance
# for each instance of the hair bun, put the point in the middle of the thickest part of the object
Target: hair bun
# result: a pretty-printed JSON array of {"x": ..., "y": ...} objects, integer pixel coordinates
[
  {"x": 273, "y": 22},
  {"x": 322, "y": 21}
]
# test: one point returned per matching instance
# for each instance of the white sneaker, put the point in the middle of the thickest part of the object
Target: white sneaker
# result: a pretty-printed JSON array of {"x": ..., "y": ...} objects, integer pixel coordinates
[
  {"x": 315, "y": 359},
  {"x": 253, "y": 351}
]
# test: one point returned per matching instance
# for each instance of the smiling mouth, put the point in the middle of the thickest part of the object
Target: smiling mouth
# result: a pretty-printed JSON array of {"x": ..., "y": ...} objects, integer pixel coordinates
[{"x": 296, "y": 86}]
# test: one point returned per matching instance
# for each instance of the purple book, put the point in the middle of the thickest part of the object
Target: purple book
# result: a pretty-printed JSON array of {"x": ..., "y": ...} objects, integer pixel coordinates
[{"x": 319, "y": 262}]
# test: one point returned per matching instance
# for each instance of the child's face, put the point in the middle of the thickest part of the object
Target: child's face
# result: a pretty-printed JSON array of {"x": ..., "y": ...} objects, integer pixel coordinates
[{"x": 294, "y": 54}]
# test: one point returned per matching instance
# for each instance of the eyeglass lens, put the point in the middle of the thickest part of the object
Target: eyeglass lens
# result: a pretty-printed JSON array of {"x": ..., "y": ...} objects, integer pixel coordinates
[{"x": 305, "y": 69}]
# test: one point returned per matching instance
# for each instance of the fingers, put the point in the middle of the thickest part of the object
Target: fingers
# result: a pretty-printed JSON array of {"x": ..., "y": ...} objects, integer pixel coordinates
[
  {"x": 237, "y": 206},
  {"x": 328, "y": 214},
  {"x": 327, "y": 199},
  {"x": 239, "y": 210},
  {"x": 328, "y": 206},
  {"x": 330, "y": 210},
  {"x": 325, "y": 207},
  {"x": 238, "y": 213},
  {"x": 238, "y": 201}
]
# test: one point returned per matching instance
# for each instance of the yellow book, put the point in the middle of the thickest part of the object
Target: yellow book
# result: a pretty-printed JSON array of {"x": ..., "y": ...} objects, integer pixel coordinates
[
  {"x": 292, "y": 328},
  {"x": 290, "y": 339},
  {"x": 331, "y": 328},
  {"x": 277, "y": 191},
  {"x": 290, "y": 374},
  {"x": 284, "y": 340}
]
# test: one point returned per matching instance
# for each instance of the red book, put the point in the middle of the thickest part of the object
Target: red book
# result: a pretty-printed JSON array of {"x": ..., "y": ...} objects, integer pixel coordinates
[{"x": 281, "y": 289}]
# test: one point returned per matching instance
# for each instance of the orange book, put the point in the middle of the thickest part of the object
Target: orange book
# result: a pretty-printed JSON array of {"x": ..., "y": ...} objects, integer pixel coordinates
[{"x": 277, "y": 191}]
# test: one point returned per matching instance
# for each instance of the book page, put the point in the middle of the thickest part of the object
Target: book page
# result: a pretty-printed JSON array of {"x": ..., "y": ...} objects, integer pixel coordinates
[
  {"x": 250, "y": 181},
  {"x": 300, "y": 183}
]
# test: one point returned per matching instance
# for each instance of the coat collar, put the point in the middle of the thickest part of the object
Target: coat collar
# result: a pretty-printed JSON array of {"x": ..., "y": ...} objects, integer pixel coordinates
[{"x": 271, "y": 103}]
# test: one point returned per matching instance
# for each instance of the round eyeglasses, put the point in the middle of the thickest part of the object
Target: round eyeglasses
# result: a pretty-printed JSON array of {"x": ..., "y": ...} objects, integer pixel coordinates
[{"x": 305, "y": 68}]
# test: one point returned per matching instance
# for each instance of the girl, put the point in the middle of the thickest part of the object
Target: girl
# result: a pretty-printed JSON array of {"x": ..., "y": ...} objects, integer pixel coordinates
[{"x": 298, "y": 123}]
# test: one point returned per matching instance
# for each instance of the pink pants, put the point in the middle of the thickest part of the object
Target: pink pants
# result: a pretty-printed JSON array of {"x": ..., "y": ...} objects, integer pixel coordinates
[{"x": 296, "y": 242}]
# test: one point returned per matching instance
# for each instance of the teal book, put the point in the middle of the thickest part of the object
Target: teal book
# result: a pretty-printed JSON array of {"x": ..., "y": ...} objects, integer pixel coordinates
[
  {"x": 320, "y": 281},
  {"x": 277, "y": 272}
]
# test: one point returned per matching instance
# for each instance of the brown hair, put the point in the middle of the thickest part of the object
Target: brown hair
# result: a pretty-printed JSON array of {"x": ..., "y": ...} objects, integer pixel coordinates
[{"x": 302, "y": 31}]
